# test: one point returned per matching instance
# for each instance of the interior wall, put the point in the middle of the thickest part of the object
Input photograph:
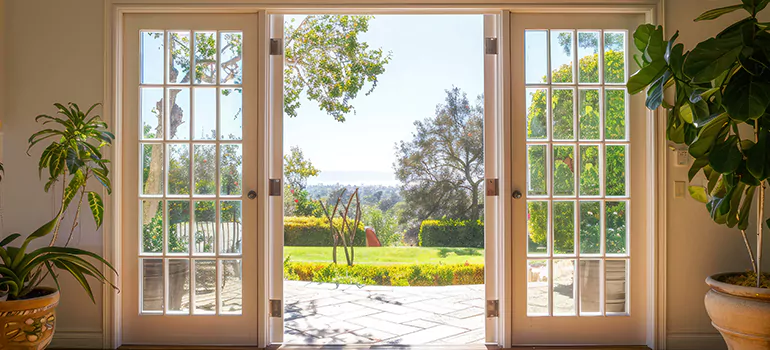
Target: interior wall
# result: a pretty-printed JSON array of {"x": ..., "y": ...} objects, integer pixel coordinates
[{"x": 53, "y": 51}]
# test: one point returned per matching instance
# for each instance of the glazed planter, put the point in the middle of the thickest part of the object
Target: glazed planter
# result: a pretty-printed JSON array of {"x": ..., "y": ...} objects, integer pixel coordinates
[
  {"x": 740, "y": 314},
  {"x": 29, "y": 323}
]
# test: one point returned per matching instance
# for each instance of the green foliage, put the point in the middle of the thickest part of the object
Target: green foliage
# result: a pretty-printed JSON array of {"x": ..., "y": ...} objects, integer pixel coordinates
[
  {"x": 386, "y": 275},
  {"x": 325, "y": 59},
  {"x": 721, "y": 86},
  {"x": 452, "y": 233},
  {"x": 304, "y": 231},
  {"x": 385, "y": 224}
]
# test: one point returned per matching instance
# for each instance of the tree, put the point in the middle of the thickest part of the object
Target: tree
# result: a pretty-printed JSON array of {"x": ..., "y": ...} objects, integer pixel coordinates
[
  {"x": 442, "y": 168},
  {"x": 297, "y": 169},
  {"x": 563, "y": 164}
]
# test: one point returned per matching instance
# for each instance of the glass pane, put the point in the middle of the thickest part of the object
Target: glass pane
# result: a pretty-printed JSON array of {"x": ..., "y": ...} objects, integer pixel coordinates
[
  {"x": 205, "y": 169},
  {"x": 152, "y": 168},
  {"x": 590, "y": 286},
  {"x": 589, "y": 114},
  {"x": 615, "y": 114},
  {"x": 230, "y": 291},
  {"x": 179, "y": 285},
  {"x": 152, "y": 284},
  {"x": 564, "y": 287},
  {"x": 178, "y": 226},
  {"x": 537, "y": 120},
  {"x": 537, "y": 165},
  {"x": 205, "y": 226},
  {"x": 231, "y": 57},
  {"x": 230, "y": 160},
  {"x": 564, "y": 227},
  {"x": 179, "y": 57},
  {"x": 537, "y": 227},
  {"x": 590, "y": 227},
  {"x": 205, "y": 114},
  {"x": 616, "y": 227},
  {"x": 561, "y": 56},
  {"x": 614, "y": 57},
  {"x": 616, "y": 170},
  {"x": 231, "y": 232},
  {"x": 589, "y": 170},
  {"x": 152, "y": 113},
  {"x": 588, "y": 57},
  {"x": 615, "y": 273},
  {"x": 536, "y": 56},
  {"x": 178, "y": 169},
  {"x": 205, "y": 57},
  {"x": 205, "y": 286},
  {"x": 563, "y": 170},
  {"x": 231, "y": 114},
  {"x": 152, "y": 57},
  {"x": 179, "y": 114},
  {"x": 563, "y": 109},
  {"x": 537, "y": 287},
  {"x": 152, "y": 226}
]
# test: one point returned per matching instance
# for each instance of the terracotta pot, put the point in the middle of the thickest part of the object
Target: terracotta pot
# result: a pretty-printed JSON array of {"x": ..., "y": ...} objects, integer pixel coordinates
[
  {"x": 29, "y": 323},
  {"x": 741, "y": 314}
]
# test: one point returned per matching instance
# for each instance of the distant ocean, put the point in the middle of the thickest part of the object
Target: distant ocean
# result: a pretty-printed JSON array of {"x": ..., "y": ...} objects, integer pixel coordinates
[{"x": 354, "y": 178}]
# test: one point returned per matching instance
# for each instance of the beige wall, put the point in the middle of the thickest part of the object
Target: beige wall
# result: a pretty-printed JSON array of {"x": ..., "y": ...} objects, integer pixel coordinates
[{"x": 53, "y": 52}]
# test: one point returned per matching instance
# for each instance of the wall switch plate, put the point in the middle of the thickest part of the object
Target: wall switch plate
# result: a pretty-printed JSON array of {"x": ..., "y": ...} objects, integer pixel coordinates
[
  {"x": 679, "y": 188},
  {"x": 682, "y": 157}
]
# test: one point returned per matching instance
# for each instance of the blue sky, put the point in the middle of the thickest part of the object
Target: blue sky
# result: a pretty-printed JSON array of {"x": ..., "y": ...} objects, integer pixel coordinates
[{"x": 430, "y": 53}]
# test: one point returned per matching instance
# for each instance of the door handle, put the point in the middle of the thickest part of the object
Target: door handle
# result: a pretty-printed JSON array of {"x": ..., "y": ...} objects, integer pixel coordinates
[
  {"x": 252, "y": 194},
  {"x": 516, "y": 194}
]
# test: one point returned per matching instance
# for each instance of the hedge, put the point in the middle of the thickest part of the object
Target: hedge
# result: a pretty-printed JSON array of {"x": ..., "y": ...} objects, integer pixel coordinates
[
  {"x": 386, "y": 275},
  {"x": 308, "y": 231},
  {"x": 452, "y": 233}
]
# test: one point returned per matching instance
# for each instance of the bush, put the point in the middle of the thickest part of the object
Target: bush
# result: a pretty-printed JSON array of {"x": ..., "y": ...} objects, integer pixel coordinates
[
  {"x": 385, "y": 275},
  {"x": 308, "y": 231},
  {"x": 452, "y": 233}
]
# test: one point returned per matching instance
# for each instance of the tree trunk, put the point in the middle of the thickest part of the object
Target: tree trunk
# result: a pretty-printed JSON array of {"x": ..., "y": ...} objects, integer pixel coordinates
[{"x": 475, "y": 214}]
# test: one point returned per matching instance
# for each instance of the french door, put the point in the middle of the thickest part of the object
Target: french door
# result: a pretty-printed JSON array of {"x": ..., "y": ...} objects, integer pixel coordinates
[
  {"x": 190, "y": 217},
  {"x": 578, "y": 138}
]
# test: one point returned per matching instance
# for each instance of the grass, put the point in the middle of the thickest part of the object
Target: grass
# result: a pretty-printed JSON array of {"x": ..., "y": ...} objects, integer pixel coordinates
[{"x": 389, "y": 255}]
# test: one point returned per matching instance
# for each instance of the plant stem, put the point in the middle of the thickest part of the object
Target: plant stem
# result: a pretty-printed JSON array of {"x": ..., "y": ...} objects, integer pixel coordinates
[
  {"x": 748, "y": 248},
  {"x": 760, "y": 223}
]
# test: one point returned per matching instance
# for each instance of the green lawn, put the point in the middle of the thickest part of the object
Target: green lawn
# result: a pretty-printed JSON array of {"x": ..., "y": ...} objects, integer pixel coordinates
[{"x": 389, "y": 255}]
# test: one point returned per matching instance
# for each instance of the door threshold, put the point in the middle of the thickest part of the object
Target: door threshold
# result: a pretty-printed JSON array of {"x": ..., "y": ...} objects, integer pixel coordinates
[{"x": 379, "y": 347}]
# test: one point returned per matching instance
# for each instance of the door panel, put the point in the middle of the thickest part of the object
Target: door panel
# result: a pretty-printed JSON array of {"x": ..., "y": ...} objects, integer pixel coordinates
[
  {"x": 190, "y": 230},
  {"x": 578, "y": 138}
]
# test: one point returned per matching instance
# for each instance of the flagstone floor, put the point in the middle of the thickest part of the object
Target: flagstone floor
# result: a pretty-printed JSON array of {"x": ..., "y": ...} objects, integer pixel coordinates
[{"x": 326, "y": 313}]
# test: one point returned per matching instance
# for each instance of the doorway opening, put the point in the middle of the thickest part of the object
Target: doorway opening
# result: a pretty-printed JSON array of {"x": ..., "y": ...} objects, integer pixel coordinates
[{"x": 383, "y": 145}]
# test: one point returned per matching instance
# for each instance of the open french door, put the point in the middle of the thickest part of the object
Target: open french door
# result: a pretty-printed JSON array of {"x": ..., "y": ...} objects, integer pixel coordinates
[
  {"x": 578, "y": 221},
  {"x": 191, "y": 137}
]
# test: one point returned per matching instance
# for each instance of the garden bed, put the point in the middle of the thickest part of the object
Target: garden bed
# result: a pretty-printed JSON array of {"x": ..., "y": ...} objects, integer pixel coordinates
[{"x": 386, "y": 275}]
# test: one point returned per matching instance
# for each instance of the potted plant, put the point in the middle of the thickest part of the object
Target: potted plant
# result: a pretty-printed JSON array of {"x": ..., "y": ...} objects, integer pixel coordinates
[
  {"x": 720, "y": 114},
  {"x": 73, "y": 158}
]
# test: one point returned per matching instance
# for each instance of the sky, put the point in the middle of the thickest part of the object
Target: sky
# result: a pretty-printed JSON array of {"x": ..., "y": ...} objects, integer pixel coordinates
[{"x": 430, "y": 53}]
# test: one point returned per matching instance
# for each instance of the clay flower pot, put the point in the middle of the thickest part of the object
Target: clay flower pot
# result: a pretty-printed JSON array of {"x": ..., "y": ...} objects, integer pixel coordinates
[
  {"x": 29, "y": 323},
  {"x": 740, "y": 314}
]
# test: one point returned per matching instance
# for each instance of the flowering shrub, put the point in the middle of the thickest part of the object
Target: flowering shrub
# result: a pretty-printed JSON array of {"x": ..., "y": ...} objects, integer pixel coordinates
[
  {"x": 452, "y": 233},
  {"x": 308, "y": 231},
  {"x": 385, "y": 275}
]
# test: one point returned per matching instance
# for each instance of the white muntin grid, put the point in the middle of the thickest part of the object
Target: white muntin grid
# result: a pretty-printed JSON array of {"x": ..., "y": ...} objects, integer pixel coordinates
[
  {"x": 576, "y": 196},
  {"x": 192, "y": 258}
]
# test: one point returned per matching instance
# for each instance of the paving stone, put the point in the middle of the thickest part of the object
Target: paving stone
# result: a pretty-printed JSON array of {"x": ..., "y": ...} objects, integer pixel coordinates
[
  {"x": 383, "y": 325},
  {"x": 429, "y": 335},
  {"x": 467, "y": 312},
  {"x": 469, "y": 337},
  {"x": 421, "y": 323}
]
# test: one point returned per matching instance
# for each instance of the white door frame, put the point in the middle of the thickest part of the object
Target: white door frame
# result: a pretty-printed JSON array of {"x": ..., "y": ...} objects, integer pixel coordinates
[{"x": 114, "y": 11}]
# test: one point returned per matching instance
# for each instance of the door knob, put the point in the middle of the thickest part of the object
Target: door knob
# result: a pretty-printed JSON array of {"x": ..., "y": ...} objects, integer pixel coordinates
[
  {"x": 252, "y": 194},
  {"x": 516, "y": 194}
]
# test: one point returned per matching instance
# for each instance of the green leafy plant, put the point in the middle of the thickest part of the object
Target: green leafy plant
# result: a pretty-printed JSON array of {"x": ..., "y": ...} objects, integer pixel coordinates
[
  {"x": 73, "y": 157},
  {"x": 720, "y": 112}
]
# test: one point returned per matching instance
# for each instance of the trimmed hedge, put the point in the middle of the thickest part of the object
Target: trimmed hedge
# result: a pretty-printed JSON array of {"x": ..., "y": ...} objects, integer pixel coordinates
[
  {"x": 452, "y": 233},
  {"x": 386, "y": 275},
  {"x": 308, "y": 231}
]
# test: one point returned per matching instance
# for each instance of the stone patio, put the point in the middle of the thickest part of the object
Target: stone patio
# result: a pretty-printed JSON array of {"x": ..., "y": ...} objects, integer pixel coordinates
[{"x": 326, "y": 313}]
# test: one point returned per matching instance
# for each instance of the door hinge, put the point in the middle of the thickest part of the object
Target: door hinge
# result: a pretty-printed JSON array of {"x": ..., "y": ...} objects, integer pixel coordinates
[
  {"x": 492, "y": 187},
  {"x": 276, "y": 309},
  {"x": 493, "y": 308},
  {"x": 275, "y": 187},
  {"x": 276, "y": 47},
  {"x": 490, "y": 46}
]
